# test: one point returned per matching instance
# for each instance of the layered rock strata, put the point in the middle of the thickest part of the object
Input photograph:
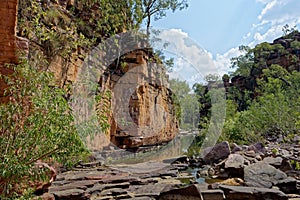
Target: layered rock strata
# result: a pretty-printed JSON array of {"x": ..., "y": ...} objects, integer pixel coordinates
[{"x": 142, "y": 109}]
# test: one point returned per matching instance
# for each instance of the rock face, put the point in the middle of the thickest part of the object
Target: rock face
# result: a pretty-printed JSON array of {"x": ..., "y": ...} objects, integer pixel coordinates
[
  {"x": 10, "y": 44},
  {"x": 291, "y": 46},
  {"x": 142, "y": 111}
]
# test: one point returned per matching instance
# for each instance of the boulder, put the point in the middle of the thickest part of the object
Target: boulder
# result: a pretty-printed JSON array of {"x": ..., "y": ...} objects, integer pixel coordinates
[
  {"x": 252, "y": 193},
  {"x": 234, "y": 165},
  {"x": 190, "y": 193},
  {"x": 262, "y": 175},
  {"x": 219, "y": 152},
  {"x": 285, "y": 165},
  {"x": 212, "y": 195},
  {"x": 259, "y": 147},
  {"x": 230, "y": 181},
  {"x": 288, "y": 185},
  {"x": 45, "y": 196},
  {"x": 236, "y": 148}
]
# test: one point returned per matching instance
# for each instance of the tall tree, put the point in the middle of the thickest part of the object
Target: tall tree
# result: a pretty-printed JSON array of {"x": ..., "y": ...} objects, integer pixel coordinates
[{"x": 158, "y": 9}]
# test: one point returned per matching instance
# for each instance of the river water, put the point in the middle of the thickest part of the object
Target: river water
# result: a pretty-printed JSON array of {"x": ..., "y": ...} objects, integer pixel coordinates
[{"x": 175, "y": 148}]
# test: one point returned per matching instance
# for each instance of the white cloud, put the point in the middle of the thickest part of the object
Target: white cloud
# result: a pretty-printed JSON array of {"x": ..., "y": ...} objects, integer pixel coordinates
[
  {"x": 274, "y": 15},
  {"x": 268, "y": 36},
  {"x": 272, "y": 18},
  {"x": 248, "y": 35},
  {"x": 268, "y": 7},
  {"x": 279, "y": 11},
  {"x": 264, "y": 1},
  {"x": 223, "y": 61},
  {"x": 192, "y": 61},
  {"x": 197, "y": 62}
]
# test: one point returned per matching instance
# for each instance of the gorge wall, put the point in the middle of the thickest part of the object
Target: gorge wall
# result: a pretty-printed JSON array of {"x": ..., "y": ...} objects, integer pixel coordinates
[
  {"x": 148, "y": 111},
  {"x": 11, "y": 46},
  {"x": 8, "y": 21},
  {"x": 142, "y": 111}
]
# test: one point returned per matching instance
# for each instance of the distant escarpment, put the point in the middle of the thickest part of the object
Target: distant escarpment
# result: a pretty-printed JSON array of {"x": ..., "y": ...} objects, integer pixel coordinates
[{"x": 284, "y": 51}]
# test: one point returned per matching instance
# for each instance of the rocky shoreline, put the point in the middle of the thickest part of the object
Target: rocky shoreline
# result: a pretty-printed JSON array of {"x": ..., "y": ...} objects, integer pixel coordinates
[{"x": 223, "y": 172}]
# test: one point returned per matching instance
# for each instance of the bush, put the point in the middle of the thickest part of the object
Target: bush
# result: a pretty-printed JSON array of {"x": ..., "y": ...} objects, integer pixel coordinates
[{"x": 36, "y": 124}]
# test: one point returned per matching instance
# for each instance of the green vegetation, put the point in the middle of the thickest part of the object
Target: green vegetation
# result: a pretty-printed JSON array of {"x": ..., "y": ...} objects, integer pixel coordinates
[
  {"x": 187, "y": 104},
  {"x": 295, "y": 164},
  {"x": 263, "y": 102},
  {"x": 36, "y": 124},
  {"x": 276, "y": 109}
]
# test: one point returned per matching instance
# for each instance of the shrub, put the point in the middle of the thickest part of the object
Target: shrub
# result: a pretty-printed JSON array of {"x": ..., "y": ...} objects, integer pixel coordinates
[{"x": 36, "y": 124}]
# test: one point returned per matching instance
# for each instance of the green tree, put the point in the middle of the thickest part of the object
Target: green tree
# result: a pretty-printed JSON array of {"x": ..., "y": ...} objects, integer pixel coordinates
[
  {"x": 158, "y": 9},
  {"x": 243, "y": 63}
]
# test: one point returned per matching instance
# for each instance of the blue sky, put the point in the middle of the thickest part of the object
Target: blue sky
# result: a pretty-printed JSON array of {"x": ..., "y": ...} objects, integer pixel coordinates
[{"x": 218, "y": 27}]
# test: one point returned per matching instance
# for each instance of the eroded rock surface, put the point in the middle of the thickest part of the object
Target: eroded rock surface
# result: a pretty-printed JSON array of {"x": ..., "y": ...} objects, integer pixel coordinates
[
  {"x": 141, "y": 108},
  {"x": 172, "y": 178}
]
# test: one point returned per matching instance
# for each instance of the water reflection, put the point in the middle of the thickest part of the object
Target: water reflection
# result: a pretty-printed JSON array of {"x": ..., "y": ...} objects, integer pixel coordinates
[{"x": 177, "y": 147}]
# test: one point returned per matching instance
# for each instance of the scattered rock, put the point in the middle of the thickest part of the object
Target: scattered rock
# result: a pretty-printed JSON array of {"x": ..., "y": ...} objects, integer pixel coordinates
[
  {"x": 73, "y": 194},
  {"x": 262, "y": 175},
  {"x": 218, "y": 152},
  {"x": 252, "y": 193},
  {"x": 275, "y": 162},
  {"x": 259, "y": 147},
  {"x": 285, "y": 165},
  {"x": 236, "y": 148},
  {"x": 234, "y": 165},
  {"x": 45, "y": 196},
  {"x": 212, "y": 194},
  {"x": 268, "y": 177},
  {"x": 288, "y": 185},
  {"x": 230, "y": 181},
  {"x": 191, "y": 192}
]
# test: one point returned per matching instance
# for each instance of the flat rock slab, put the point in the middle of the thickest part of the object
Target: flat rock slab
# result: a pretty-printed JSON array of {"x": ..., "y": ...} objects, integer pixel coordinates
[
  {"x": 276, "y": 162},
  {"x": 262, "y": 175},
  {"x": 191, "y": 192},
  {"x": 72, "y": 194},
  {"x": 142, "y": 168},
  {"x": 143, "y": 180},
  {"x": 252, "y": 193}
]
